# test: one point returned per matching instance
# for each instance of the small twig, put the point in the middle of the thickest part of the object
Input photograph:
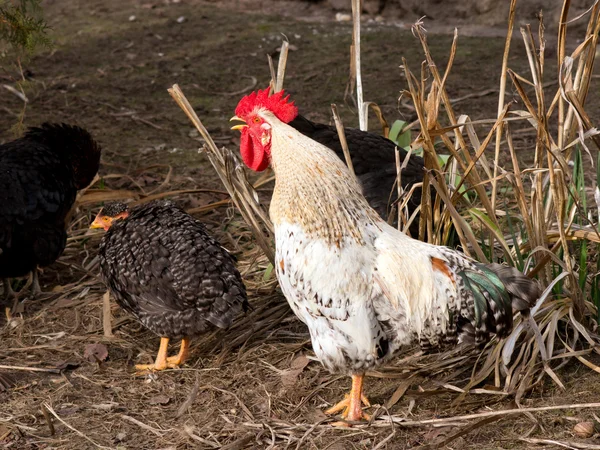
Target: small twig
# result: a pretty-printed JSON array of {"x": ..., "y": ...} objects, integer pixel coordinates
[
  {"x": 240, "y": 443},
  {"x": 383, "y": 443},
  {"x": 463, "y": 431},
  {"x": 309, "y": 431},
  {"x": 30, "y": 369},
  {"x": 147, "y": 122},
  {"x": 506, "y": 412},
  {"x": 339, "y": 126},
  {"x": 21, "y": 95},
  {"x": 143, "y": 425},
  {"x": 189, "y": 431},
  {"x": 250, "y": 87},
  {"x": 48, "y": 420},
  {"x": 9, "y": 111},
  {"x": 189, "y": 400},
  {"x": 20, "y": 426},
  {"x": 570, "y": 445},
  {"x": 51, "y": 411},
  {"x": 272, "y": 72},
  {"x": 106, "y": 316},
  {"x": 224, "y": 391},
  {"x": 356, "y": 10}
]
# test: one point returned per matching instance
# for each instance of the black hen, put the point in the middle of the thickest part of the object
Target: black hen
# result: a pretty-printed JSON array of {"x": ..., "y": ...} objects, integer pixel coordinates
[
  {"x": 40, "y": 174},
  {"x": 374, "y": 161},
  {"x": 163, "y": 267}
]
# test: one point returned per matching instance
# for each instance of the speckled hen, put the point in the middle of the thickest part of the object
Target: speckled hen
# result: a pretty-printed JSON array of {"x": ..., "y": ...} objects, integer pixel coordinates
[
  {"x": 363, "y": 288},
  {"x": 163, "y": 267},
  {"x": 40, "y": 174}
]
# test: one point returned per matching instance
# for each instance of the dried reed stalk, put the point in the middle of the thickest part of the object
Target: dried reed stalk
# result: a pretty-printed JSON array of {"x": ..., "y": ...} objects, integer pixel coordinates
[
  {"x": 233, "y": 177},
  {"x": 356, "y": 13}
]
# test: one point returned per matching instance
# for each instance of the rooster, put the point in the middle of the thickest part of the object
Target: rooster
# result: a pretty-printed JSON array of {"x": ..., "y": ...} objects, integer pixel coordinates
[{"x": 363, "y": 288}]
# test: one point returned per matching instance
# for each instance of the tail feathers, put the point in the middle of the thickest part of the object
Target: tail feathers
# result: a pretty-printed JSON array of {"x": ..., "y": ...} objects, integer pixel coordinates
[
  {"x": 523, "y": 291},
  {"x": 73, "y": 143},
  {"x": 494, "y": 293}
]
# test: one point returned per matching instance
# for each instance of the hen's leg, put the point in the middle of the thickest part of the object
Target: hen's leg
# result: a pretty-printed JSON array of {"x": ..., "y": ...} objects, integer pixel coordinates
[
  {"x": 161, "y": 358},
  {"x": 35, "y": 283},
  {"x": 184, "y": 351},
  {"x": 352, "y": 404},
  {"x": 8, "y": 290},
  {"x": 9, "y": 295}
]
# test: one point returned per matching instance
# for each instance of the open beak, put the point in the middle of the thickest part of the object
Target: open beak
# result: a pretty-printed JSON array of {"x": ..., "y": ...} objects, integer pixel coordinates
[{"x": 240, "y": 126}]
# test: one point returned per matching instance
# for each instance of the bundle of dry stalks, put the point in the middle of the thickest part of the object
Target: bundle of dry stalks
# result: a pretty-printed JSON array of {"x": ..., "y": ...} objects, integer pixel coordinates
[{"x": 543, "y": 207}]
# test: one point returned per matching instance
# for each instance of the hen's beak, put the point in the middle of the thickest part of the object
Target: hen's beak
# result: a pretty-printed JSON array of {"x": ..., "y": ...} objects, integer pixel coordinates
[
  {"x": 96, "y": 224},
  {"x": 240, "y": 126}
]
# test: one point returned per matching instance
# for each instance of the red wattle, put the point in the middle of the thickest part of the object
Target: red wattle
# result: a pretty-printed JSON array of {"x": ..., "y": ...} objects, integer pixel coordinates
[{"x": 253, "y": 152}]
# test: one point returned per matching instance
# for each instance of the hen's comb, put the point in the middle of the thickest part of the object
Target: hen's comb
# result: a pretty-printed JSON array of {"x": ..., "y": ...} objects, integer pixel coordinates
[{"x": 276, "y": 103}]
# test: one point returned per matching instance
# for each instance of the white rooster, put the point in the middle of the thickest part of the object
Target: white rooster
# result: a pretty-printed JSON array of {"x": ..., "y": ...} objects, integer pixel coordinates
[{"x": 363, "y": 288}]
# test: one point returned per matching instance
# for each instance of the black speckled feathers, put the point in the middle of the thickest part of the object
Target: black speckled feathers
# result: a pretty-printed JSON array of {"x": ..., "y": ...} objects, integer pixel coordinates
[
  {"x": 40, "y": 174},
  {"x": 374, "y": 161},
  {"x": 164, "y": 268}
]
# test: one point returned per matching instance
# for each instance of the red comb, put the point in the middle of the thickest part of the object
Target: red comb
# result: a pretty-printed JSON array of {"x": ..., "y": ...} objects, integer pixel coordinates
[{"x": 276, "y": 103}]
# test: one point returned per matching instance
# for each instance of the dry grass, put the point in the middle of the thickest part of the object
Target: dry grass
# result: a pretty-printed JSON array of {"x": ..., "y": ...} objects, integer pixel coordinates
[
  {"x": 255, "y": 385},
  {"x": 543, "y": 201}
]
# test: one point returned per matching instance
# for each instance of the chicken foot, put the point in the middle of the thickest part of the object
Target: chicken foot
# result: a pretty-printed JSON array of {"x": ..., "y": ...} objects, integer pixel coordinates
[
  {"x": 9, "y": 293},
  {"x": 351, "y": 406},
  {"x": 163, "y": 362},
  {"x": 35, "y": 283}
]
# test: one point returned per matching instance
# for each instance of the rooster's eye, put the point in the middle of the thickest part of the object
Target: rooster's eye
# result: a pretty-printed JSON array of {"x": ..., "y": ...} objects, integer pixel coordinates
[{"x": 256, "y": 120}]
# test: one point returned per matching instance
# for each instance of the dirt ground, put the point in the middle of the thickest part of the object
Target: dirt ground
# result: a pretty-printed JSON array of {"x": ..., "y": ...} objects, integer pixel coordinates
[{"x": 255, "y": 386}]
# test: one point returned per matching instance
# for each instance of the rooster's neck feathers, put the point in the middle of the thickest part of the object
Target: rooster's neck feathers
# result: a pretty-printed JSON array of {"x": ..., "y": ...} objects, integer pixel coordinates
[{"x": 330, "y": 206}]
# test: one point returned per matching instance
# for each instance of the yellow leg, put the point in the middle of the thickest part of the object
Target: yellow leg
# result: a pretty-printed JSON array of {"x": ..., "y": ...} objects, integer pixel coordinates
[
  {"x": 184, "y": 351},
  {"x": 161, "y": 358},
  {"x": 351, "y": 405}
]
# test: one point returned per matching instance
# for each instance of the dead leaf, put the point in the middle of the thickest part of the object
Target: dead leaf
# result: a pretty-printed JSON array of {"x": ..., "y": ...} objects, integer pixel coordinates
[
  {"x": 4, "y": 432},
  {"x": 95, "y": 352},
  {"x": 67, "y": 410},
  {"x": 289, "y": 377},
  {"x": 6, "y": 382},
  {"x": 435, "y": 433},
  {"x": 299, "y": 362},
  {"x": 159, "y": 400},
  {"x": 120, "y": 437},
  {"x": 398, "y": 393},
  {"x": 65, "y": 302},
  {"x": 58, "y": 288},
  {"x": 108, "y": 406}
]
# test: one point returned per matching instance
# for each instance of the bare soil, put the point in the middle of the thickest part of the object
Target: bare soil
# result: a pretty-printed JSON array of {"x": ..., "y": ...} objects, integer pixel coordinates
[{"x": 254, "y": 386}]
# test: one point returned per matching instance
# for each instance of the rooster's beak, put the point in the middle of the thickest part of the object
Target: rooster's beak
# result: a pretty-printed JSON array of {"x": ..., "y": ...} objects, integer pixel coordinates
[{"x": 239, "y": 126}]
